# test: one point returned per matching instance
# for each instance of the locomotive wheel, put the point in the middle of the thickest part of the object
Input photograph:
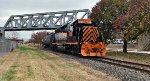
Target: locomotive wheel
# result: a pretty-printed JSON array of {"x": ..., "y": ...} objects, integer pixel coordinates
[
  {"x": 55, "y": 47},
  {"x": 75, "y": 49},
  {"x": 44, "y": 46}
]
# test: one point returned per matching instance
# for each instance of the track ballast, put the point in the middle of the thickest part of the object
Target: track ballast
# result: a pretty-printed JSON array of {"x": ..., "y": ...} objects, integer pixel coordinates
[{"x": 131, "y": 65}]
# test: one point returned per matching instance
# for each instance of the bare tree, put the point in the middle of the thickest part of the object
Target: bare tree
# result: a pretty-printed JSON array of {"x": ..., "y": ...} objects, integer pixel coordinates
[{"x": 36, "y": 38}]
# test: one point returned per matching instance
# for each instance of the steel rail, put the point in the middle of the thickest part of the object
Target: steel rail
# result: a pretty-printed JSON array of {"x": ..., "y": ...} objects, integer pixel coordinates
[{"x": 126, "y": 64}]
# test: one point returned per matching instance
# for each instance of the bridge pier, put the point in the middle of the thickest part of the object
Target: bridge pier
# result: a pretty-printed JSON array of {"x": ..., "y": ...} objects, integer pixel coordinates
[
  {"x": 2, "y": 41},
  {"x": 2, "y": 33}
]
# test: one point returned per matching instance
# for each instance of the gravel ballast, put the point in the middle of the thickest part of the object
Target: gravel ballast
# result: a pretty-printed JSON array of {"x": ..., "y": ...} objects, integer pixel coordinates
[{"x": 124, "y": 74}]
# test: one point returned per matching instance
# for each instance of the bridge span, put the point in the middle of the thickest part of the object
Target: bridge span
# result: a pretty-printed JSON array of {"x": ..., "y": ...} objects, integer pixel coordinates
[{"x": 44, "y": 21}]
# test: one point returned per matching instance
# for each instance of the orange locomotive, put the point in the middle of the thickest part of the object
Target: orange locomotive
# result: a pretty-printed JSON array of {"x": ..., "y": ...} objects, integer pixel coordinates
[{"x": 80, "y": 37}]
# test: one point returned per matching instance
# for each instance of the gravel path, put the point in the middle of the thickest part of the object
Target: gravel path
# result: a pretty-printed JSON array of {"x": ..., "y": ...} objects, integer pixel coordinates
[{"x": 119, "y": 72}]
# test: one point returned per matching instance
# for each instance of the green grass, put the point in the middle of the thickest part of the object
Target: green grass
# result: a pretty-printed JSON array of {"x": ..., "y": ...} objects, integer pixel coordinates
[
  {"x": 36, "y": 53},
  {"x": 145, "y": 58},
  {"x": 9, "y": 74},
  {"x": 26, "y": 49},
  {"x": 30, "y": 72},
  {"x": 30, "y": 63},
  {"x": 42, "y": 55},
  {"x": 64, "y": 77},
  {"x": 1, "y": 62},
  {"x": 69, "y": 65}
]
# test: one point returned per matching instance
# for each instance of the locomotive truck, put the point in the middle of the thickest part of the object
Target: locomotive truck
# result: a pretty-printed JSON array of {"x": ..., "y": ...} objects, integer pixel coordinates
[{"x": 80, "y": 37}]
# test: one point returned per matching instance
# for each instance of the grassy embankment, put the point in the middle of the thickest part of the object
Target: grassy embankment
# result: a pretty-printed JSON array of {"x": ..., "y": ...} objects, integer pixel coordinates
[
  {"x": 132, "y": 57},
  {"x": 30, "y": 64}
]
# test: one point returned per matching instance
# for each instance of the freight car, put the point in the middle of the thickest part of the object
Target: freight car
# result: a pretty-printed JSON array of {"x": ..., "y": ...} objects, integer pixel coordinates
[{"x": 80, "y": 37}]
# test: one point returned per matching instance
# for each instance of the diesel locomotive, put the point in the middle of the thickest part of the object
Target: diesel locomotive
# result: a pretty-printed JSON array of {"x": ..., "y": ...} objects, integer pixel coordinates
[{"x": 80, "y": 37}]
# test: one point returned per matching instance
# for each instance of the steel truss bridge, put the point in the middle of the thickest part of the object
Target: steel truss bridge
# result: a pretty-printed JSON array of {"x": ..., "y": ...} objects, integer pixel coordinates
[{"x": 44, "y": 21}]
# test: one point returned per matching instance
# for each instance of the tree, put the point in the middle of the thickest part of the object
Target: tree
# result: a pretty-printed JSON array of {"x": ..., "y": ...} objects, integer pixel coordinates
[
  {"x": 105, "y": 12},
  {"x": 130, "y": 17},
  {"x": 36, "y": 38},
  {"x": 139, "y": 16},
  {"x": 135, "y": 22}
]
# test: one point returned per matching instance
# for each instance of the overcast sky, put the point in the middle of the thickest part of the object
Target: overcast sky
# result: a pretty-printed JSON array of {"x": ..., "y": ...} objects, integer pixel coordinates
[{"x": 16, "y": 7}]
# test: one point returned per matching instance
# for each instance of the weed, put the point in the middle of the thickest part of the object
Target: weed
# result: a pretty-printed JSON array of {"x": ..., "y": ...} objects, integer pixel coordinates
[
  {"x": 30, "y": 72},
  {"x": 64, "y": 77},
  {"x": 52, "y": 66},
  {"x": 9, "y": 74},
  {"x": 42, "y": 55},
  {"x": 69, "y": 65},
  {"x": 1, "y": 62}
]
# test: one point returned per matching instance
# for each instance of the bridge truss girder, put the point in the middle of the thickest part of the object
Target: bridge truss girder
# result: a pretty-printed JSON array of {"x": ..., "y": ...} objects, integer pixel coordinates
[{"x": 40, "y": 21}]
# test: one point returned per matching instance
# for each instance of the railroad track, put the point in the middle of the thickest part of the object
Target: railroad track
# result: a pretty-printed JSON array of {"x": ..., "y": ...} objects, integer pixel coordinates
[
  {"x": 126, "y": 64},
  {"x": 135, "y": 66}
]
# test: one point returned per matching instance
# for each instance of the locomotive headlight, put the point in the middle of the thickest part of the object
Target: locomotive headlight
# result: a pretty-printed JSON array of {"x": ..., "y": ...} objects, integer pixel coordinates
[
  {"x": 86, "y": 42},
  {"x": 85, "y": 21},
  {"x": 90, "y": 22},
  {"x": 100, "y": 43}
]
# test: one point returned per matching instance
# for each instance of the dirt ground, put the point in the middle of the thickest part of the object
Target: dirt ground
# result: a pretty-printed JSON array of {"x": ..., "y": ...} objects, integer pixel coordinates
[{"x": 30, "y": 64}]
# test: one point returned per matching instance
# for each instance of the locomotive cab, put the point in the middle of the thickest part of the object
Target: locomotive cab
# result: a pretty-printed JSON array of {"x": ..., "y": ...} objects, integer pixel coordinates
[{"x": 89, "y": 38}]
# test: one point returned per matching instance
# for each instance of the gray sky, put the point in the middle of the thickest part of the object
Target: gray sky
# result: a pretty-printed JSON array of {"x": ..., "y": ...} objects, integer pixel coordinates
[{"x": 16, "y": 7}]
